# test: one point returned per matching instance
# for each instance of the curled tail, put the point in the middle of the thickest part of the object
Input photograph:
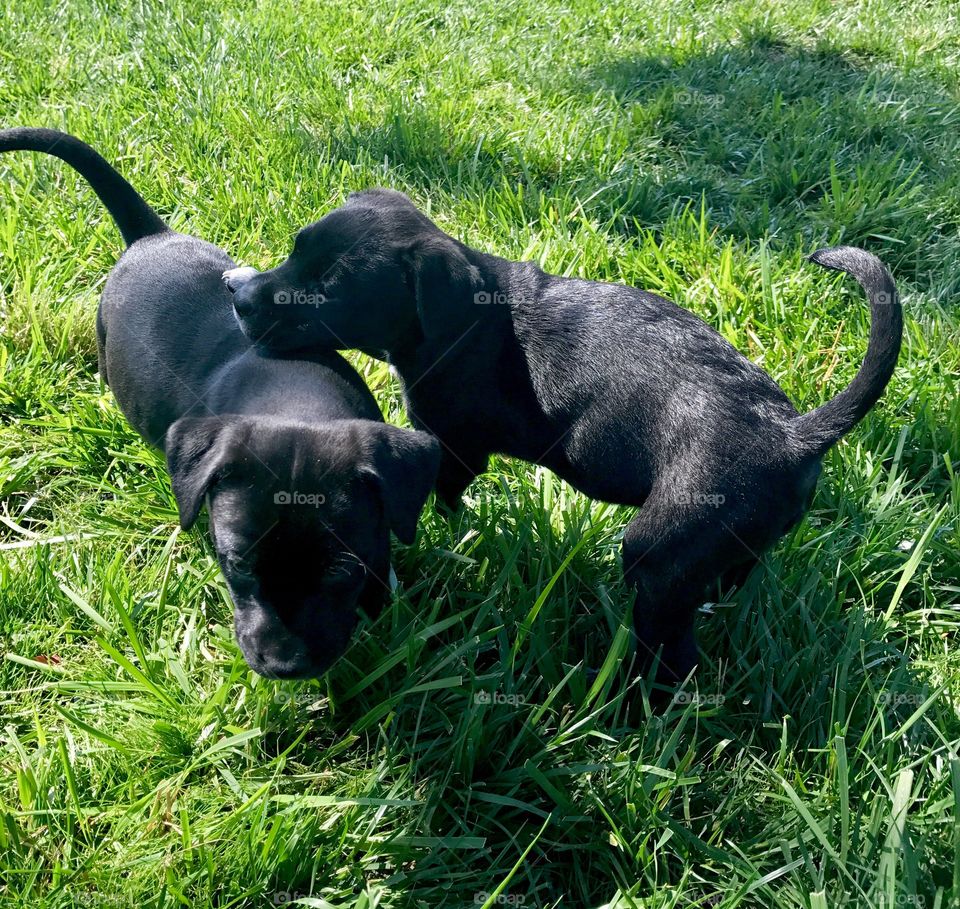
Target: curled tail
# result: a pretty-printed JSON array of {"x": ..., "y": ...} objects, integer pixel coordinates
[
  {"x": 822, "y": 428},
  {"x": 133, "y": 216}
]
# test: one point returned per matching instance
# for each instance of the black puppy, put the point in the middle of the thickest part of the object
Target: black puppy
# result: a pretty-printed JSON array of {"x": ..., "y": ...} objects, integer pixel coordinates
[
  {"x": 302, "y": 478},
  {"x": 623, "y": 394}
]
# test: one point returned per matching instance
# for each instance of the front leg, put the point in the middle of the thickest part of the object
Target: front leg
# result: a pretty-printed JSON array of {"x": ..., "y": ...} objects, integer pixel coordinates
[
  {"x": 463, "y": 455},
  {"x": 457, "y": 471}
]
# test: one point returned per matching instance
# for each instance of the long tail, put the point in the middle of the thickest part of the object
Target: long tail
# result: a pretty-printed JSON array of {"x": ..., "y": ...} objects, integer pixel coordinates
[
  {"x": 134, "y": 217},
  {"x": 822, "y": 428}
]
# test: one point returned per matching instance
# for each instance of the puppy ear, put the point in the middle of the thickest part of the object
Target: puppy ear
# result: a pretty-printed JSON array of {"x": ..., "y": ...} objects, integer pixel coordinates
[
  {"x": 404, "y": 465},
  {"x": 196, "y": 450},
  {"x": 444, "y": 284}
]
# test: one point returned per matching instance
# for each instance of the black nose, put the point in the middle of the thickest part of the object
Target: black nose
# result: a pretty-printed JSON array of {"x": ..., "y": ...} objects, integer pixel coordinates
[
  {"x": 244, "y": 302},
  {"x": 283, "y": 657},
  {"x": 284, "y": 669}
]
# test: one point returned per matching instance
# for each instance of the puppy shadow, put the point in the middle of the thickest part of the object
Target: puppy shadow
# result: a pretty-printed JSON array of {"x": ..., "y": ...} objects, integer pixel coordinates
[{"x": 473, "y": 678}]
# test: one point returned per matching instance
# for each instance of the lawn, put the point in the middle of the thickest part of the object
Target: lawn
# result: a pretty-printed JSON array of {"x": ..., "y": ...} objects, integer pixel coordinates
[{"x": 460, "y": 754}]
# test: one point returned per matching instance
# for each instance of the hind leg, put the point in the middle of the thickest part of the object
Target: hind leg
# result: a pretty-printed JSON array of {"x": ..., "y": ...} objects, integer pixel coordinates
[{"x": 671, "y": 554}]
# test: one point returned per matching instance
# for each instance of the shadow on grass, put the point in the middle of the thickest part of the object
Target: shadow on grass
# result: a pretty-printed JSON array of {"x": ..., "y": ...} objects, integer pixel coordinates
[
  {"x": 495, "y": 753},
  {"x": 781, "y": 142}
]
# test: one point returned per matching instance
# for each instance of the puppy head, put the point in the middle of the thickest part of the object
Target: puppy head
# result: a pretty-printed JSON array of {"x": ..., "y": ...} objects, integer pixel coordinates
[
  {"x": 300, "y": 519},
  {"x": 374, "y": 274}
]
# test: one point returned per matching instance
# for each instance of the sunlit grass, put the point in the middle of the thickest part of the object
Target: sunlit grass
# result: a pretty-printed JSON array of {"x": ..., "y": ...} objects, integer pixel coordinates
[{"x": 460, "y": 754}]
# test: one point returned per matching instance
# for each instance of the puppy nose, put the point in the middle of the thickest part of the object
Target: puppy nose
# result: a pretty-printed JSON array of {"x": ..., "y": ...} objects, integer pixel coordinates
[
  {"x": 235, "y": 278},
  {"x": 276, "y": 655},
  {"x": 243, "y": 302},
  {"x": 269, "y": 648}
]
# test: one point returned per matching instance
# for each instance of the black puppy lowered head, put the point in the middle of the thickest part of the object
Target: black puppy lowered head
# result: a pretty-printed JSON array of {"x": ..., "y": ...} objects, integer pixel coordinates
[{"x": 300, "y": 518}]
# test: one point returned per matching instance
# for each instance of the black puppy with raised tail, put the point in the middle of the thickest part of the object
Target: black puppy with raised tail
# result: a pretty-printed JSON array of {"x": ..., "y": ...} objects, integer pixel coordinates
[
  {"x": 620, "y": 392},
  {"x": 303, "y": 480}
]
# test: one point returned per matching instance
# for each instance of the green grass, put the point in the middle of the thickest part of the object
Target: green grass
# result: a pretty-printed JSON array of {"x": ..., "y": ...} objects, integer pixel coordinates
[{"x": 458, "y": 756}]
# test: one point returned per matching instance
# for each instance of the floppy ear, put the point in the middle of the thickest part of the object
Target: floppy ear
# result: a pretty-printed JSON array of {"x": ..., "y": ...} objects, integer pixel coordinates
[
  {"x": 404, "y": 466},
  {"x": 444, "y": 284},
  {"x": 196, "y": 450}
]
